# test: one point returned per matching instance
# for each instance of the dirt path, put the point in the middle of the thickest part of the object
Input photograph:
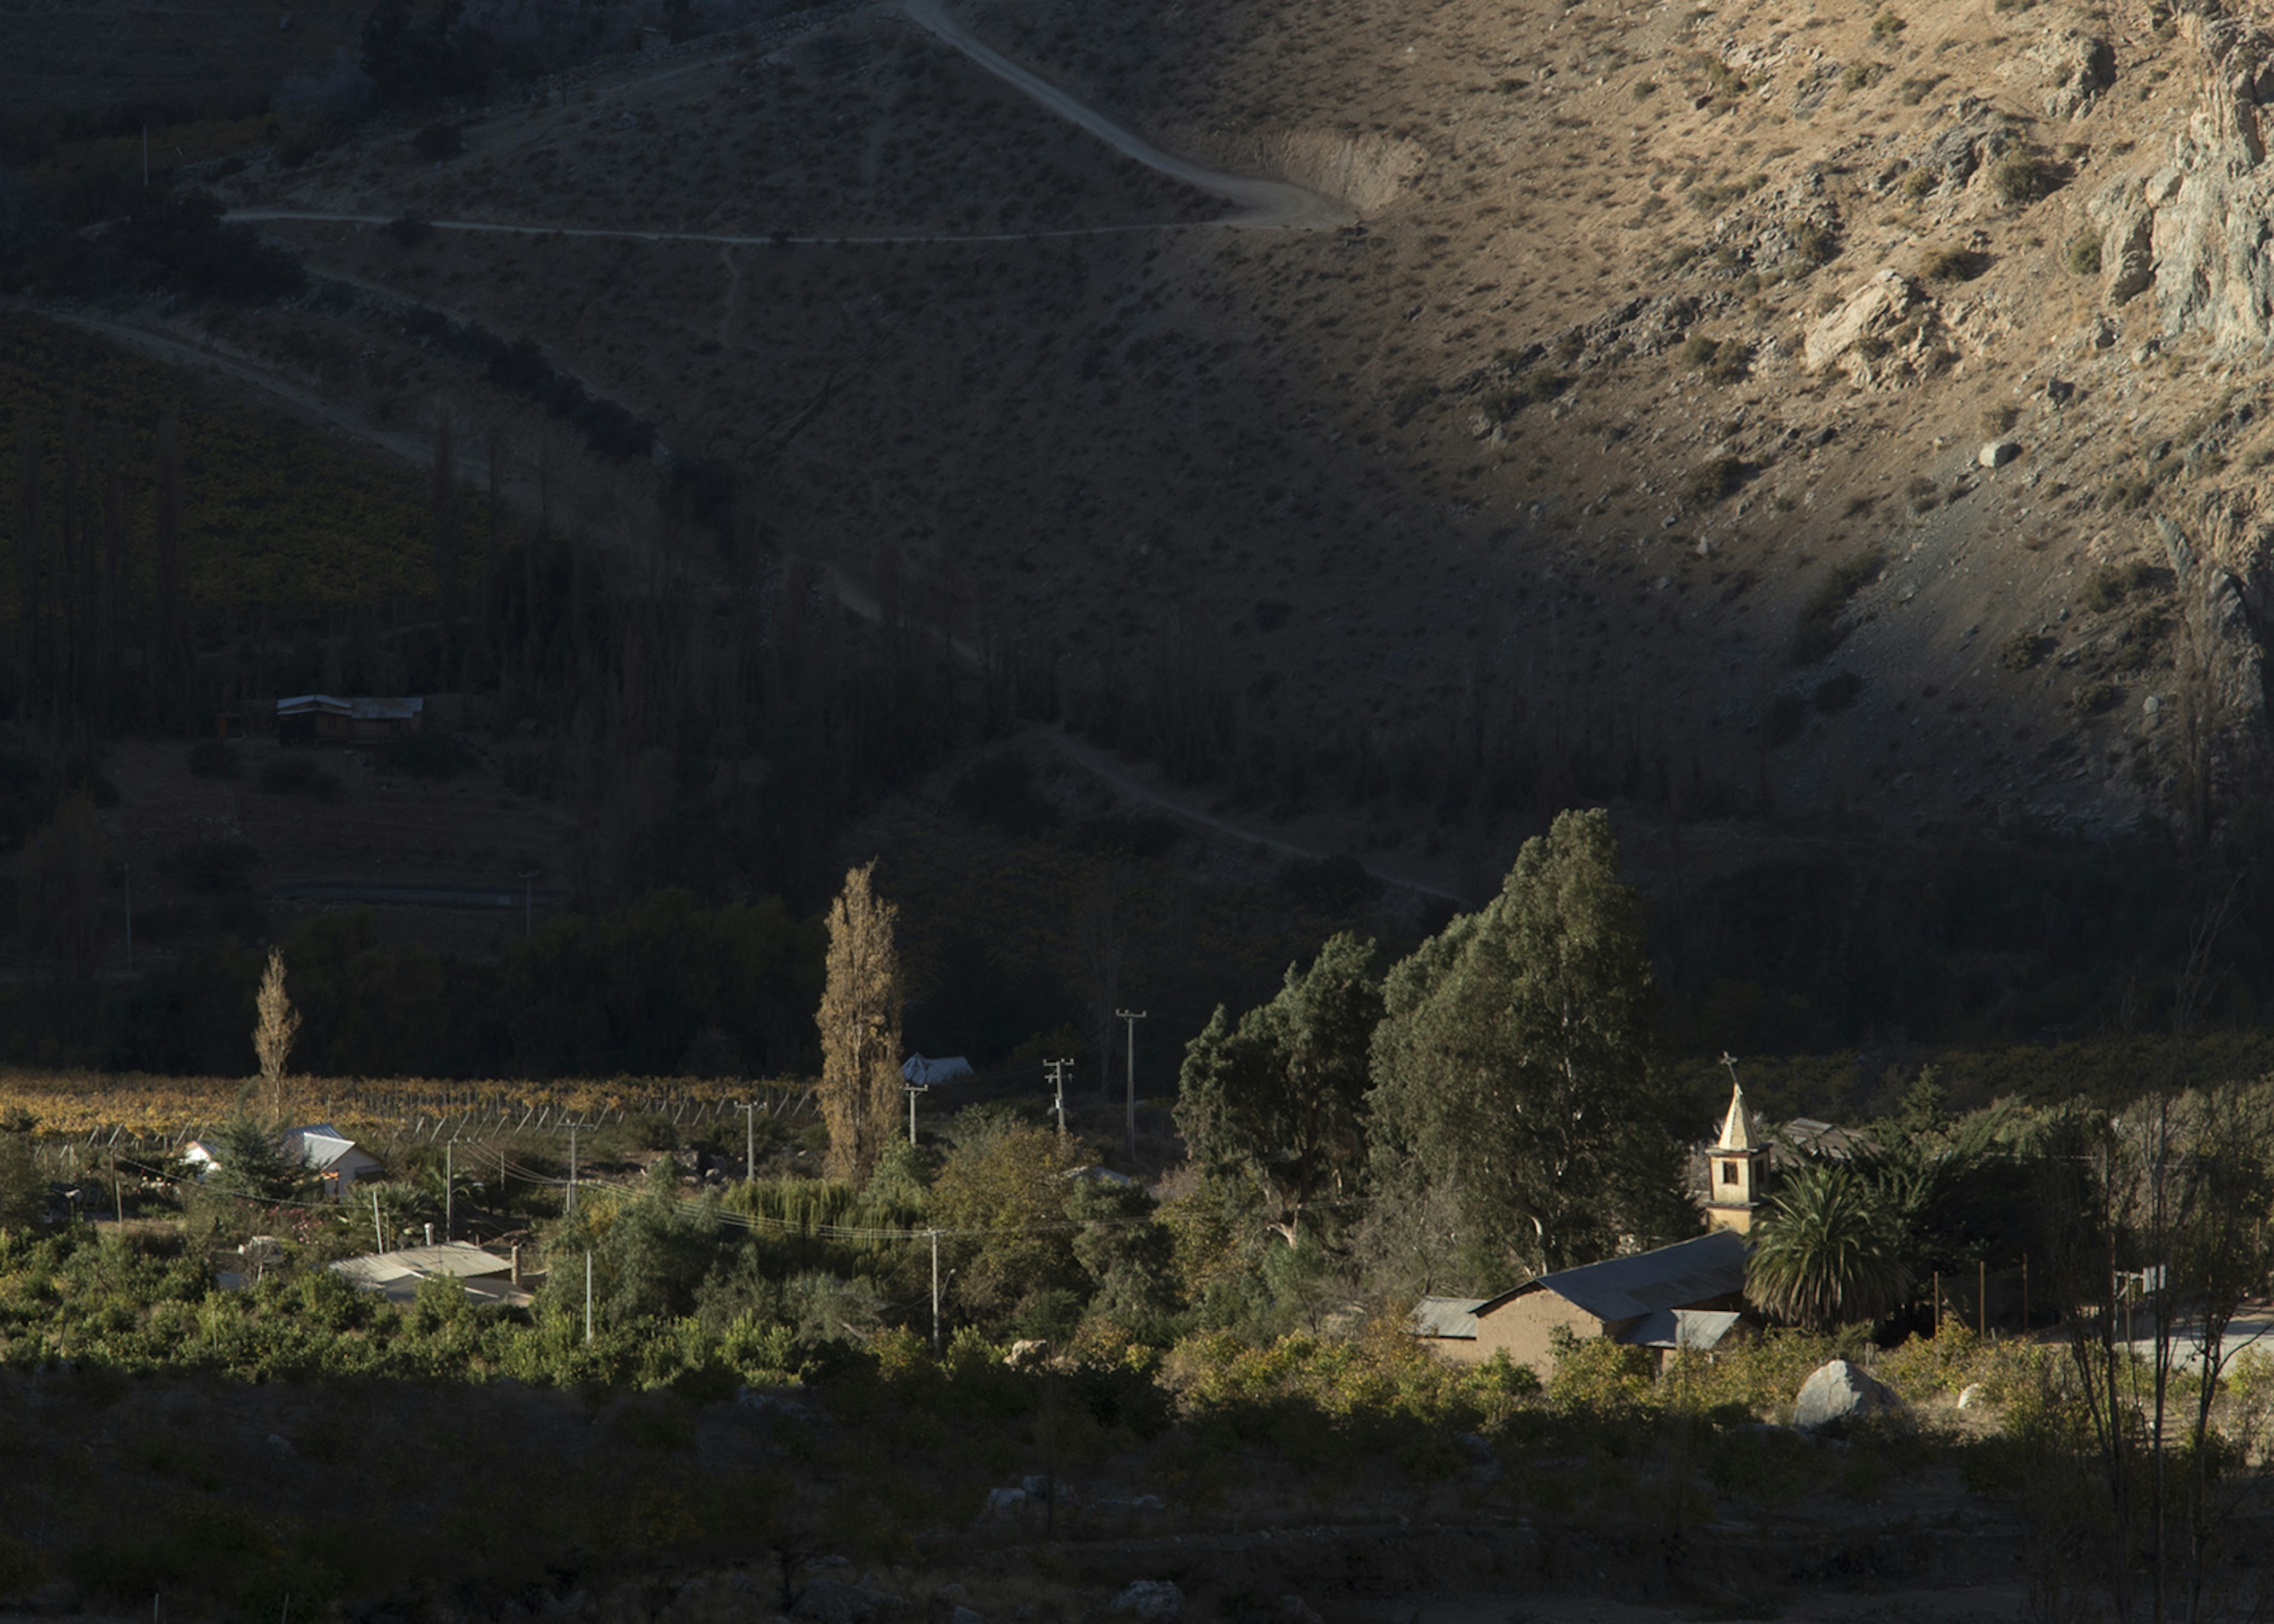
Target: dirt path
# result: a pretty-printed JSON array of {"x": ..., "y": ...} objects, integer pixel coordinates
[
  {"x": 1268, "y": 203},
  {"x": 1104, "y": 764},
  {"x": 722, "y": 238},
  {"x": 178, "y": 352},
  {"x": 1265, "y": 204}
]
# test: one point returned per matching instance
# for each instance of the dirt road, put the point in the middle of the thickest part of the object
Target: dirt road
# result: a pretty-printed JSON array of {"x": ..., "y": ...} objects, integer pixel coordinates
[
  {"x": 1268, "y": 203},
  {"x": 1264, "y": 205}
]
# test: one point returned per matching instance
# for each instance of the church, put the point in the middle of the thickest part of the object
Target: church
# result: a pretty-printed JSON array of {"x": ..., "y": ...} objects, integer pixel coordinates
[{"x": 1690, "y": 1295}]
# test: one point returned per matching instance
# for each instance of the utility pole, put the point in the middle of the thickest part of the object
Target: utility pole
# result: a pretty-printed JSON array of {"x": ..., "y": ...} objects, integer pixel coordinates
[
  {"x": 749, "y": 1109},
  {"x": 570, "y": 1205},
  {"x": 1057, "y": 1070},
  {"x": 378, "y": 1235},
  {"x": 935, "y": 1292},
  {"x": 911, "y": 1090},
  {"x": 1129, "y": 1018},
  {"x": 451, "y": 1191},
  {"x": 588, "y": 1297}
]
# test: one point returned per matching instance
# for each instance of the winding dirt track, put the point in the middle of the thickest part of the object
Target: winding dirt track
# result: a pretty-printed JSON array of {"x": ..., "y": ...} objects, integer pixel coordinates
[
  {"x": 1268, "y": 203},
  {"x": 1264, "y": 205}
]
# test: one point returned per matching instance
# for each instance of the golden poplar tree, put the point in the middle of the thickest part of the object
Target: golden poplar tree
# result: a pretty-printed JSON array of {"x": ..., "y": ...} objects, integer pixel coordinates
[
  {"x": 278, "y": 1024},
  {"x": 860, "y": 1024}
]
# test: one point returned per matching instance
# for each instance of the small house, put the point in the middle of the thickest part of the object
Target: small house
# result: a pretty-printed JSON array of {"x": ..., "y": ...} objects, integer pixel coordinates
[
  {"x": 332, "y": 1156},
  {"x": 325, "y": 717},
  {"x": 337, "y": 1161},
  {"x": 491, "y": 1281},
  {"x": 921, "y": 1073},
  {"x": 1689, "y": 1295}
]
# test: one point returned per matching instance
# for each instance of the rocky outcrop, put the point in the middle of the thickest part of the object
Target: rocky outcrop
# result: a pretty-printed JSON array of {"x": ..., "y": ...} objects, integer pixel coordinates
[
  {"x": 2077, "y": 66},
  {"x": 2195, "y": 229},
  {"x": 1885, "y": 330},
  {"x": 1976, "y": 139}
]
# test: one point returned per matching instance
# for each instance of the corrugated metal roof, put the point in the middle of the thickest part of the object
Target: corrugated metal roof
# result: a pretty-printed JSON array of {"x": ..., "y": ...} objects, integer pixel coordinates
[
  {"x": 361, "y": 710},
  {"x": 322, "y": 1147},
  {"x": 1676, "y": 1276},
  {"x": 1699, "y": 1330},
  {"x": 417, "y": 1262},
  {"x": 1447, "y": 1316}
]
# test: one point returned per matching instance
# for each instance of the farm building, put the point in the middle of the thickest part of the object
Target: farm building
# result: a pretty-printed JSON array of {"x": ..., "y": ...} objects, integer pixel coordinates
[
  {"x": 922, "y": 1072},
  {"x": 1689, "y": 1295},
  {"x": 491, "y": 1281},
  {"x": 323, "y": 716},
  {"x": 336, "y": 1159}
]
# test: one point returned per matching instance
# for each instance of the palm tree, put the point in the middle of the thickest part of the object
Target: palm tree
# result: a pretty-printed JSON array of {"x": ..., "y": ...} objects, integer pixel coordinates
[{"x": 1826, "y": 1253}]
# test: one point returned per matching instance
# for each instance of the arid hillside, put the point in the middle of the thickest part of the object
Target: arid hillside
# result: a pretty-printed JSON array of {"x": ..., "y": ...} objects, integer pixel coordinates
[{"x": 1731, "y": 412}]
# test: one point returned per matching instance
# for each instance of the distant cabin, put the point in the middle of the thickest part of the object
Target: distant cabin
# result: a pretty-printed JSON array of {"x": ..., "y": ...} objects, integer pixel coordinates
[
  {"x": 326, "y": 717},
  {"x": 332, "y": 1156},
  {"x": 1689, "y": 1295},
  {"x": 923, "y": 1073},
  {"x": 336, "y": 1159}
]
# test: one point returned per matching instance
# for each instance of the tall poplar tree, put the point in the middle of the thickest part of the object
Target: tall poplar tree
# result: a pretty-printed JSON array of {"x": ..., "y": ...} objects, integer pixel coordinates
[
  {"x": 860, "y": 1022},
  {"x": 1513, "y": 1085}
]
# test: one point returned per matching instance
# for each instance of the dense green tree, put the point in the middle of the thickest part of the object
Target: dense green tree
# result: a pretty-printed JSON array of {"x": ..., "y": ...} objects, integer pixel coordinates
[
  {"x": 1003, "y": 1198},
  {"x": 1827, "y": 1250},
  {"x": 1512, "y": 1079},
  {"x": 1279, "y": 1101},
  {"x": 1129, "y": 1256},
  {"x": 250, "y": 1150}
]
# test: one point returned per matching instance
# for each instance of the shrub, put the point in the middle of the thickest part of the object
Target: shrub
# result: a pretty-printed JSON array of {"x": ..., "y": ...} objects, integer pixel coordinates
[
  {"x": 1411, "y": 400},
  {"x": 1886, "y": 26},
  {"x": 409, "y": 232},
  {"x": 1864, "y": 75},
  {"x": 1714, "y": 479},
  {"x": 1000, "y": 790},
  {"x": 2083, "y": 255},
  {"x": 2112, "y": 584},
  {"x": 1998, "y": 418},
  {"x": 320, "y": 107},
  {"x": 1954, "y": 264},
  {"x": 2094, "y": 696},
  {"x": 177, "y": 241},
  {"x": 297, "y": 774},
  {"x": 2127, "y": 493},
  {"x": 1529, "y": 388},
  {"x": 427, "y": 756},
  {"x": 2024, "y": 650},
  {"x": 439, "y": 141},
  {"x": 1721, "y": 360},
  {"x": 1821, "y": 627},
  {"x": 2017, "y": 178},
  {"x": 213, "y": 758},
  {"x": 1814, "y": 242},
  {"x": 1919, "y": 183},
  {"x": 1838, "y": 692}
]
